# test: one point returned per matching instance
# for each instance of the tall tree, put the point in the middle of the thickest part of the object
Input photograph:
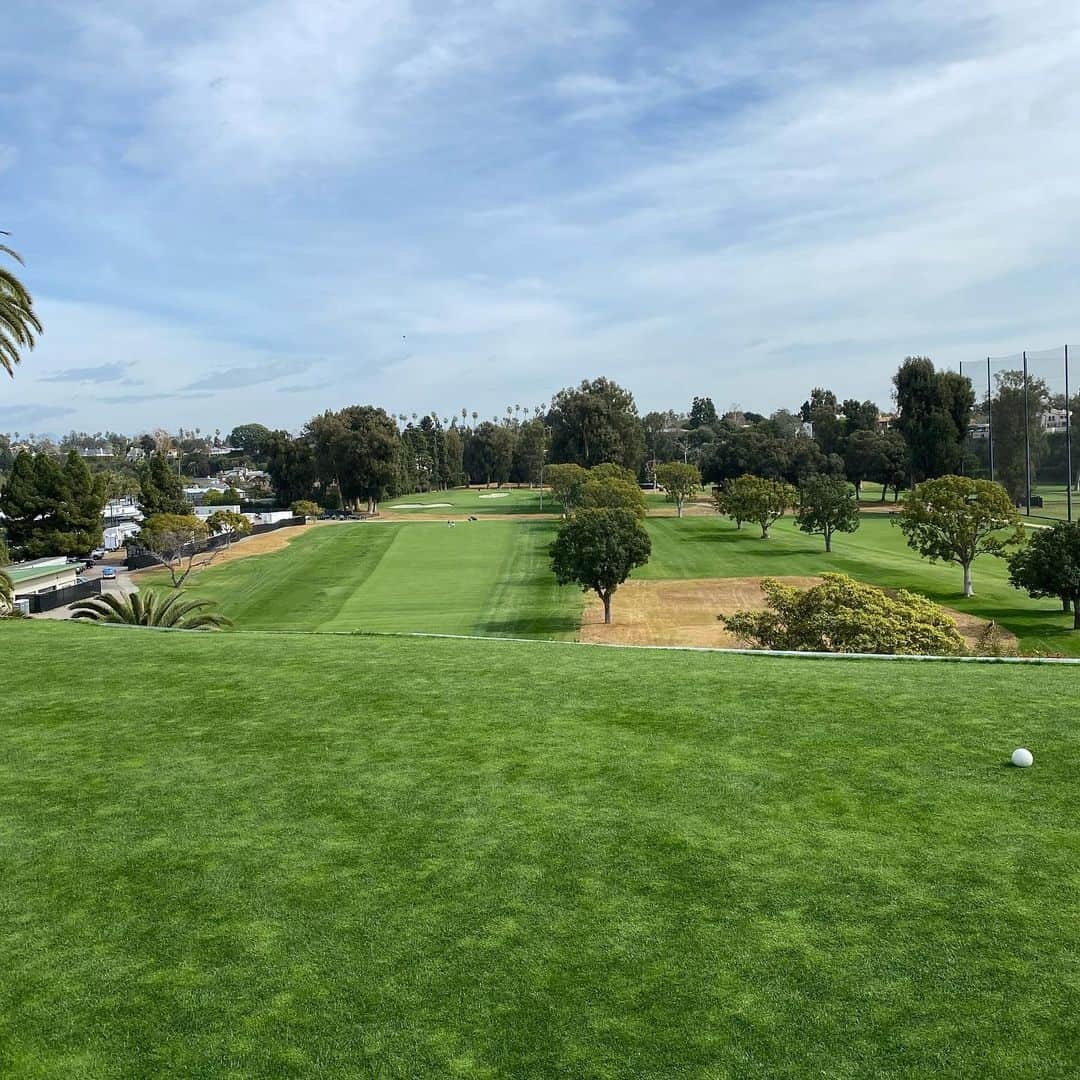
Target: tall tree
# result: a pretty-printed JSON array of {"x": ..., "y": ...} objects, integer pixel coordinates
[
  {"x": 291, "y": 465},
  {"x": 503, "y": 441},
  {"x": 597, "y": 549},
  {"x": 79, "y": 515},
  {"x": 357, "y": 450},
  {"x": 52, "y": 510},
  {"x": 596, "y": 422},
  {"x": 455, "y": 456},
  {"x": 1007, "y": 411},
  {"x": 530, "y": 450},
  {"x": 822, "y": 410},
  {"x": 859, "y": 457},
  {"x": 252, "y": 439},
  {"x": 934, "y": 412},
  {"x": 480, "y": 452},
  {"x": 702, "y": 413},
  {"x": 957, "y": 519},
  {"x": 23, "y": 501},
  {"x": 661, "y": 431},
  {"x": 890, "y": 465},
  {"x": 160, "y": 490},
  {"x": 859, "y": 416},
  {"x": 18, "y": 320}
]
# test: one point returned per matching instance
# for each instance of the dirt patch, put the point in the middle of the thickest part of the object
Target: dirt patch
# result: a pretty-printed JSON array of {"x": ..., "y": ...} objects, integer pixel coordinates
[{"x": 685, "y": 613}]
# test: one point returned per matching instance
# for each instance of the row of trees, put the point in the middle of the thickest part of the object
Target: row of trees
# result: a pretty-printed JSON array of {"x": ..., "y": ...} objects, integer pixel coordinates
[{"x": 823, "y": 505}]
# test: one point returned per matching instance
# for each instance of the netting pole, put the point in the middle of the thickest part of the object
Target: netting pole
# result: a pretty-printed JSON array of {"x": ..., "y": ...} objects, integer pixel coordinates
[
  {"x": 1027, "y": 441},
  {"x": 990, "y": 417},
  {"x": 1068, "y": 442}
]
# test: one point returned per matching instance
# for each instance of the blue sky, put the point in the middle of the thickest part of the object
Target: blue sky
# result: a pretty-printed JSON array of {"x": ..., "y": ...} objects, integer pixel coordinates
[{"x": 256, "y": 210}]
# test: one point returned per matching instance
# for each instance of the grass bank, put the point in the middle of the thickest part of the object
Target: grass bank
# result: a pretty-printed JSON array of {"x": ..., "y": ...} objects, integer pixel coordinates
[{"x": 290, "y": 855}]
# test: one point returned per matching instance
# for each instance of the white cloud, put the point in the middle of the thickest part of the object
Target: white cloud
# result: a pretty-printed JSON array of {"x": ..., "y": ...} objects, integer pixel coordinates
[{"x": 490, "y": 201}]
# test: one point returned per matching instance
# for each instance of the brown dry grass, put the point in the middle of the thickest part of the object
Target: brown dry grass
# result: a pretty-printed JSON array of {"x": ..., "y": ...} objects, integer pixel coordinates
[
  {"x": 685, "y": 612},
  {"x": 251, "y": 545}
]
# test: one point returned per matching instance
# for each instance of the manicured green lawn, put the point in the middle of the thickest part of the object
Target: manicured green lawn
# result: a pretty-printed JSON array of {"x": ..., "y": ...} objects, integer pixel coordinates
[
  {"x": 704, "y": 547},
  {"x": 485, "y": 577},
  {"x": 458, "y": 501},
  {"x": 494, "y": 577},
  {"x": 258, "y": 855},
  {"x": 480, "y": 501},
  {"x": 1055, "y": 502}
]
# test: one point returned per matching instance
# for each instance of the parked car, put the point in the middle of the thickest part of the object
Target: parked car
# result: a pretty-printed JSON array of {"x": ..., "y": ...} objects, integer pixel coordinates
[
  {"x": 109, "y": 572},
  {"x": 97, "y": 553}
]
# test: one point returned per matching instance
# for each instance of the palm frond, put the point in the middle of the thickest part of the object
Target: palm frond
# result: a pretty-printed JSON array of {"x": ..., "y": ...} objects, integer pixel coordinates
[
  {"x": 151, "y": 608},
  {"x": 18, "y": 321}
]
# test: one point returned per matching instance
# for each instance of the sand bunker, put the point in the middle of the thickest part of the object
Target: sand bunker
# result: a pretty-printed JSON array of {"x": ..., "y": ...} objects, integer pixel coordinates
[
  {"x": 496, "y": 495},
  {"x": 685, "y": 613}
]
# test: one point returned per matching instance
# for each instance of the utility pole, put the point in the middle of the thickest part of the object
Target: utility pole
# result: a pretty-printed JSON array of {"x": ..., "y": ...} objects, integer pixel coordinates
[
  {"x": 1027, "y": 441},
  {"x": 1068, "y": 442}
]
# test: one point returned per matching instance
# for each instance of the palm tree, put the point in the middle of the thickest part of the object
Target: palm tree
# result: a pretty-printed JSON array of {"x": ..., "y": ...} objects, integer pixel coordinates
[
  {"x": 150, "y": 609},
  {"x": 18, "y": 323},
  {"x": 7, "y": 594}
]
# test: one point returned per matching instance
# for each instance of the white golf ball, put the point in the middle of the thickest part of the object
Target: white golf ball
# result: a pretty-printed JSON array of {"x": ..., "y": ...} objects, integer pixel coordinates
[{"x": 1022, "y": 758}]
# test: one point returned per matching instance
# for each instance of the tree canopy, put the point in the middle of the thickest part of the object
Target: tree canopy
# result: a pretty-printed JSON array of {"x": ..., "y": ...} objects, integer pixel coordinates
[
  {"x": 827, "y": 505},
  {"x": 160, "y": 490},
  {"x": 1049, "y": 565},
  {"x": 597, "y": 549},
  {"x": 680, "y": 480},
  {"x": 358, "y": 450},
  {"x": 565, "y": 481},
  {"x": 596, "y": 422},
  {"x": 252, "y": 439},
  {"x": 228, "y": 523},
  {"x": 957, "y": 519},
  {"x": 844, "y": 615},
  {"x": 754, "y": 498},
  {"x": 934, "y": 414},
  {"x": 175, "y": 541},
  {"x": 52, "y": 509}
]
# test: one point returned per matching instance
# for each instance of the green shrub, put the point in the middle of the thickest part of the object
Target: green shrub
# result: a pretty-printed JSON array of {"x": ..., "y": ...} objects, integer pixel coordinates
[{"x": 844, "y": 615}]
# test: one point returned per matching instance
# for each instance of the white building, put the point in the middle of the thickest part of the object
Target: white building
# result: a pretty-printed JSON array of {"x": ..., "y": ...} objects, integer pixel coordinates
[
  {"x": 41, "y": 575},
  {"x": 1055, "y": 421},
  {"x": 115, "y": 537},
  {"x": 203, "y": 512}
]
